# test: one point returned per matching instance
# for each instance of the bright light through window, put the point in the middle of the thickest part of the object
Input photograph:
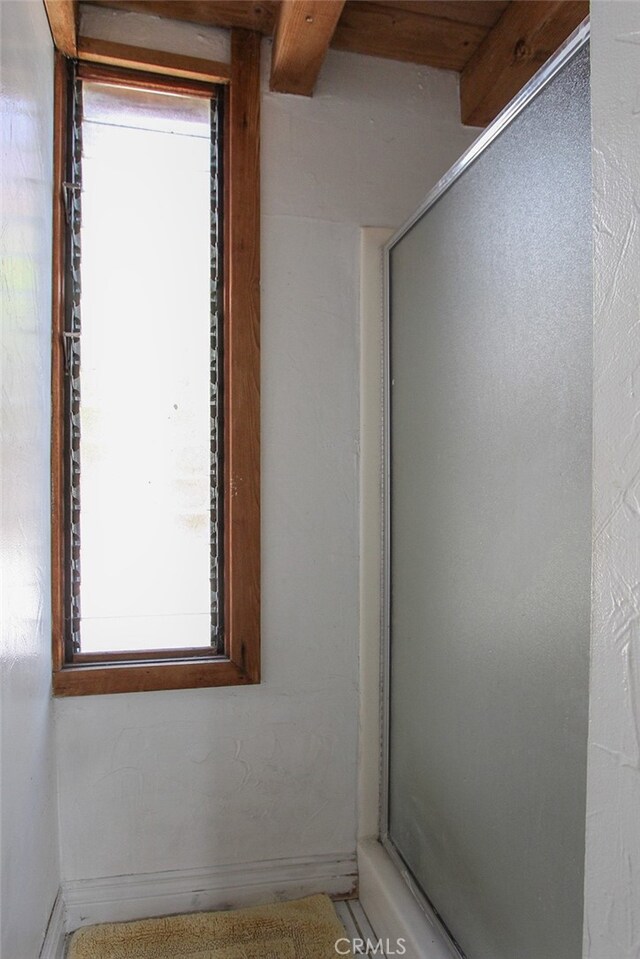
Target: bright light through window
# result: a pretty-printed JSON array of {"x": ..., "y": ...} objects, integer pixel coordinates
[{"x": 147, "y": 446}]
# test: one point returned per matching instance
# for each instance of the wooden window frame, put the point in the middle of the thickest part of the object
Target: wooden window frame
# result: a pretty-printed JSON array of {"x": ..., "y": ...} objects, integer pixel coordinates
[{"x": 240, "y": 662}]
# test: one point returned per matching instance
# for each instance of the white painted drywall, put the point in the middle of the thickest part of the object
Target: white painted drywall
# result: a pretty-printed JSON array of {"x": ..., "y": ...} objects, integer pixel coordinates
[
  {"x": 612, "y": 879},
  {"x": 29, "y": 842},
  {"x": 143, "y": 30},
  {"x": 177, "y": 780}
]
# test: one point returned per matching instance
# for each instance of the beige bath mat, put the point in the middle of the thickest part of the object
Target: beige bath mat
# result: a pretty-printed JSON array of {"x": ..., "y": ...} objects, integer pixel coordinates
[{"x": 304, "y": 929}]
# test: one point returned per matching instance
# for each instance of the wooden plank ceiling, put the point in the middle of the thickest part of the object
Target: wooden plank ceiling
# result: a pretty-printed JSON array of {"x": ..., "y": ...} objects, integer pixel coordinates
[{"x": 495, "y": 45}]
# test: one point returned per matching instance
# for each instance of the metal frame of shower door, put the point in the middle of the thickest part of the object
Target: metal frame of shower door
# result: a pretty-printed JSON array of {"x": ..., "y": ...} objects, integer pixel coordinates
[{"x": 547, "y": 72}]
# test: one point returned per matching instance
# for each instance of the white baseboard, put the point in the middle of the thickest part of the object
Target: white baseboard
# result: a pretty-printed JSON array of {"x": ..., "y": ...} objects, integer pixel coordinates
[
  {"x": 54, "y": 939},
  {"x": 121, "y": 898}
]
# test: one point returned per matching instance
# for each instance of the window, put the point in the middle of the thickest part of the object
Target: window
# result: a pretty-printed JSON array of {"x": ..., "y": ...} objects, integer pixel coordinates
[{"x": 155, "y": 379}]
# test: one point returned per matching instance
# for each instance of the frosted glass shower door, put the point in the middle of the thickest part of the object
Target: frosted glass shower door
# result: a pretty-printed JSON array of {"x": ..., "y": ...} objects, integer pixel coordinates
[{"x": 490, "y": 535}]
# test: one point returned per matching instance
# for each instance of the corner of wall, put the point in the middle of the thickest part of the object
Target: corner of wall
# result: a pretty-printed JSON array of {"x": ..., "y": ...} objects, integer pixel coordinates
[
  {"x": 371, "y": 348},
  {"x": 54, "y": 943}
]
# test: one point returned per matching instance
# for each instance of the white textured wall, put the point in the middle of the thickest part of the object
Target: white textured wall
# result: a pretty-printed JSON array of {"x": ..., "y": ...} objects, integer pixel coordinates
[
  {"x": 29, "y": 843},
  {"x": 171, "y": 780},
  {"x": 142, "y": 30},
  {"x": 612, "y": 899}
]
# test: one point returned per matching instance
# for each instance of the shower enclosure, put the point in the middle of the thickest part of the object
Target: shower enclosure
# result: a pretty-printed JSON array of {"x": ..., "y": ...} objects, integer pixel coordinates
[{"x": 488, "y": 529}]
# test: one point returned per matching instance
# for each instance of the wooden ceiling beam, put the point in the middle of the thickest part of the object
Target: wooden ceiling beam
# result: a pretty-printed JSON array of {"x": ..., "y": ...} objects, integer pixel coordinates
[
  {"x": 496, "y": 45},
  {"x": 63, "y": 21},
  {"x": 303, "y": 34},
  {"x": 404, "y": 33},
  {"x": 483, "y": 13},
  {"x": 247, "y": 15},
  {"x": 525, "y": 36}
]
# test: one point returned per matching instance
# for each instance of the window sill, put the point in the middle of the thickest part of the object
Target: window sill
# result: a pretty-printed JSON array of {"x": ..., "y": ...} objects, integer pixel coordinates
[{"x": 146, "y": 677}]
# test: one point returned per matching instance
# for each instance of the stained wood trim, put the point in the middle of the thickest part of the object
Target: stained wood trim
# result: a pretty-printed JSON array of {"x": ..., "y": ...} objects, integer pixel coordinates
[
  {"x": 303, "y": 34},
  {"x": 58, "y": 564},
  {"x": 240, "y": 664},
  {"x": 241, "y": 345},
  {"x": 154, "y": 61},
  {"x": 525, "y": 36},
  {"x": 143, "y": 656},
  {"x": 63, "y": 21},
  {"x": 99, "y": 680},
  {"x": 146, "y": 81}
]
